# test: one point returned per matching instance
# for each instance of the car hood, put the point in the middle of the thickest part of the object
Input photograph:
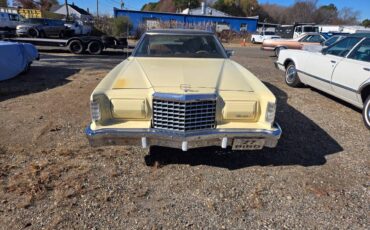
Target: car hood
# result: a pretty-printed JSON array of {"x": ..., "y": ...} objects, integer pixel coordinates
[{"x": 179, "y": 75}]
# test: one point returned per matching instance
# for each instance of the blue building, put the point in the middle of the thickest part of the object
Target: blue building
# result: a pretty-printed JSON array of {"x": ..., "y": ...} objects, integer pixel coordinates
[{"x": 151, "y": 20}]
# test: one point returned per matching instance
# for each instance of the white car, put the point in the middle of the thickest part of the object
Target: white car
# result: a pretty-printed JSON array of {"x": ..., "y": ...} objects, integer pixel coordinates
[
  {"x": 342, "y": 70},
  {"x": 78, "y": 28},
  {"x": 9, "y": 21},
  {"x": 259, "y": 38}
]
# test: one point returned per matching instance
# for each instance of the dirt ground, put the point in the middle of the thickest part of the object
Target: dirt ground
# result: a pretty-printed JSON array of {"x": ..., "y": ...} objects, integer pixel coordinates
[{"x": 317, "y": 177}]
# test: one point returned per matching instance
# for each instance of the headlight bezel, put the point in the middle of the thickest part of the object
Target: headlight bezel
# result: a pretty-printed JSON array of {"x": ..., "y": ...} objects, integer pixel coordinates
[
  {"x": 270, "y": 112},
  {"x": 95, "y": 111}
]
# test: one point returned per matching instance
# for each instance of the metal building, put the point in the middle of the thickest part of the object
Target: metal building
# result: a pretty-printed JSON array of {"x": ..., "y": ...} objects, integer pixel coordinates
[{"x": 151, "y": 20}]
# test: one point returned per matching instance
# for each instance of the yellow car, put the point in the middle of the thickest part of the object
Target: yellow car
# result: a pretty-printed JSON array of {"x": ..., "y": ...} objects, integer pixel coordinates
[{"x": 179, "y": 89}]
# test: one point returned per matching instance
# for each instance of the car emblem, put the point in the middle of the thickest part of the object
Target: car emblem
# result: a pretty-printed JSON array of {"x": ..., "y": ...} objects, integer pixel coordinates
[{"x": 185, "y": 87}]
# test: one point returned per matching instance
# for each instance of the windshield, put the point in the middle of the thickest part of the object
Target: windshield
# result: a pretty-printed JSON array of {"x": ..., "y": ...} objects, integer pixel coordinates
[
  {"x": 169, "y": 45},
  {"x": 331, "y": 40}
]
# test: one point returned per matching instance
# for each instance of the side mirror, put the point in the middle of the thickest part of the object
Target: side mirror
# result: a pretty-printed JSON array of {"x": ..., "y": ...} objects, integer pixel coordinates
[{"x": 230, "y": 53}]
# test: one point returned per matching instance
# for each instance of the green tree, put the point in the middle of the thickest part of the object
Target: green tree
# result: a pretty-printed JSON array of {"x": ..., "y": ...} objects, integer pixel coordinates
[
  {"x": 47, "y": 4},
  {"x": 249, "y": 7},
  {"x": 3, "y": 3},
  {"x": 229, "y": 6},
  {"x": 150, "y": 6},
  {"x": 183, "y": 4},
  {"x": 366, "y": 23},
  {"x": 327, "y": 14},
  {"x": 120, "y": 26}
]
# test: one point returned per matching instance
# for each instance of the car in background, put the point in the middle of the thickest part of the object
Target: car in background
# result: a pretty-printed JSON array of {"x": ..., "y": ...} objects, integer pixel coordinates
[
  {"x": 342, "y": 70},
  {"x": 296, "y": 43},
  {"x": 300, "y": 30},
  {"x": 319, "y": 47},
  {"x": 41, "y": 27},
  {"x": 180, "y": 89},
  {"x": 9, "y": 21},
  {"x": 259, "y": 38},
  {"x": 16, "y": 58}
]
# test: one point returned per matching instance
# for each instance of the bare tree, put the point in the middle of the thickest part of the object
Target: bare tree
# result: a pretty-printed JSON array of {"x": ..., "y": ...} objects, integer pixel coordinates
[
  {"x": 348, "y": 16},
  {"x": 275, "y": 13},
  {"x": 302, "y": 11}
]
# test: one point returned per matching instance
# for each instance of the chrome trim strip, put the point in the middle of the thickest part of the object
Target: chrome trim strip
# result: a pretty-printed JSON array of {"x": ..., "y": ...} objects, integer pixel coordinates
[
  {"x": 184, "y": 97},
  {"x": 327, "y": 81},
  {"x": 103, "y": 137}
]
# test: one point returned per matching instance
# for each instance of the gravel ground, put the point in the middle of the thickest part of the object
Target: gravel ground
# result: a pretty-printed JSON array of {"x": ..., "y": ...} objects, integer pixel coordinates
[{"x": 317, "y": 177}]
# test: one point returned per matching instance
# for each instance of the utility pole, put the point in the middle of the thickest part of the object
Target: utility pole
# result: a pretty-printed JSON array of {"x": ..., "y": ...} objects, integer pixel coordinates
[
  {"x": 97, "y": 8},
  {"x": 67, "y": 10}
]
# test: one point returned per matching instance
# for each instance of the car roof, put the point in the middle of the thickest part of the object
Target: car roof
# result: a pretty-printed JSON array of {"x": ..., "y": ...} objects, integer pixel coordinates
[
  {"x": 361, "y": 35},
  {"x": 179, "y": 31}
]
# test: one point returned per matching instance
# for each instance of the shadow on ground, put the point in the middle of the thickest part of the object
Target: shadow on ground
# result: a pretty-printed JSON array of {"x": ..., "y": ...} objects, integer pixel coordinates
[
  {"x": 109, "y": 52},
  {"x": 38, "y": 79},
  {"x": 302, "y": 143}
]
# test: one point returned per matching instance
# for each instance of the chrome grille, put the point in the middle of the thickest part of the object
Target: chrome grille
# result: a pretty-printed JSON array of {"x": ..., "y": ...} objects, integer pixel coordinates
[{"x": 180, "y": 113}]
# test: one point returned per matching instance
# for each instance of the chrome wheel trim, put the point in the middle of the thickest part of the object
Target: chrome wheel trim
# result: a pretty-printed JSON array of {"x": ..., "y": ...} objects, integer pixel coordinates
[
  {"x": 367, "y": 113},
  {"x": 291, "y": 74}
]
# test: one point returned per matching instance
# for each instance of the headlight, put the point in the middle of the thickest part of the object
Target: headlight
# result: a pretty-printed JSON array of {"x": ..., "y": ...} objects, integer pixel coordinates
[
  {"x": 270, "y": 112},
  {"x": 95, "y": 111}
]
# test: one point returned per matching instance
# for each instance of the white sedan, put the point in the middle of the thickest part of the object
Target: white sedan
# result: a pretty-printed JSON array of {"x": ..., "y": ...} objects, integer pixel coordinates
[
  {"x": 342, "y": 70},
  {"x": 259, "y": 38}
]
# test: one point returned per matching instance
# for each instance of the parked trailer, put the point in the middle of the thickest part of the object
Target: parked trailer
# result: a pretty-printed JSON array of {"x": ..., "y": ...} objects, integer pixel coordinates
[{"x": 78, "y": 45}]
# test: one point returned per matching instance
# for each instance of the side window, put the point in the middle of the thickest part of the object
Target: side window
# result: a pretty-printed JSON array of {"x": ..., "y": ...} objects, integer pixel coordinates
[
  {"x": 342, "y": 47},
  {"x": 13, "y": 17},
  {"x": 306, "y": 38},
  {"x": 361, "y": 52},
  {"x": 316, "y": 38},
  {"x": 298, "y": 29}
]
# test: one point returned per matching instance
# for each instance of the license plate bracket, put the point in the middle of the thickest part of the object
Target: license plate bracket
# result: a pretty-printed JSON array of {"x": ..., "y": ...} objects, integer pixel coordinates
[{"x": 248, "y": 144}]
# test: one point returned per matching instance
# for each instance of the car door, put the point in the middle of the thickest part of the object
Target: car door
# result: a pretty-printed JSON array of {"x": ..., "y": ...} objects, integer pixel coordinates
[
  {"x": 351, "y": 72},
  {"x": 318, "y": 69},
  {"x": 48, "y": 27}
]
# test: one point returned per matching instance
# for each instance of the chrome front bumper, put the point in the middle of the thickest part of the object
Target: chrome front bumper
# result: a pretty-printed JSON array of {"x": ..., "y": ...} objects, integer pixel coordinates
[{"x": 184, "y": 141}]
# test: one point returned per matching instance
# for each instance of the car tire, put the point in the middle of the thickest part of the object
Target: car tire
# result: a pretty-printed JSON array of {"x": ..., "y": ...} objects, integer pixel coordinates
[
  {"x": 291, "y": 76},
  {"x": 366, "y": 112},
  {"x": 95, "y": 48},
  {"x": 42, "y": 34},
  {"x": 33, "y": 33},
  {"x": 61, "y": 34},
  {"x": 76, "y": 47},
  {"x": 277, "y": 50},
  {"x": 26, "y": 68}
]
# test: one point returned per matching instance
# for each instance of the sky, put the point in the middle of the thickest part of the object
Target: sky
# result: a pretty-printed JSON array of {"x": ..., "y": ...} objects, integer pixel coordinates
[{"x": 106, "y": 6}]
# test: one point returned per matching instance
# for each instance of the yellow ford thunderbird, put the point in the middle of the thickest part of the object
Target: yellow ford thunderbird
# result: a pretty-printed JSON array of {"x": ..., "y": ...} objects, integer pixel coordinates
[{"x": 179, "y": 89}]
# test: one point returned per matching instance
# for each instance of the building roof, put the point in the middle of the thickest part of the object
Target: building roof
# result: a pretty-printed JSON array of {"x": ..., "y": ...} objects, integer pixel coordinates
[
  {"x": 79, "y": 10},
  {"x": 73, "y": 6}
]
